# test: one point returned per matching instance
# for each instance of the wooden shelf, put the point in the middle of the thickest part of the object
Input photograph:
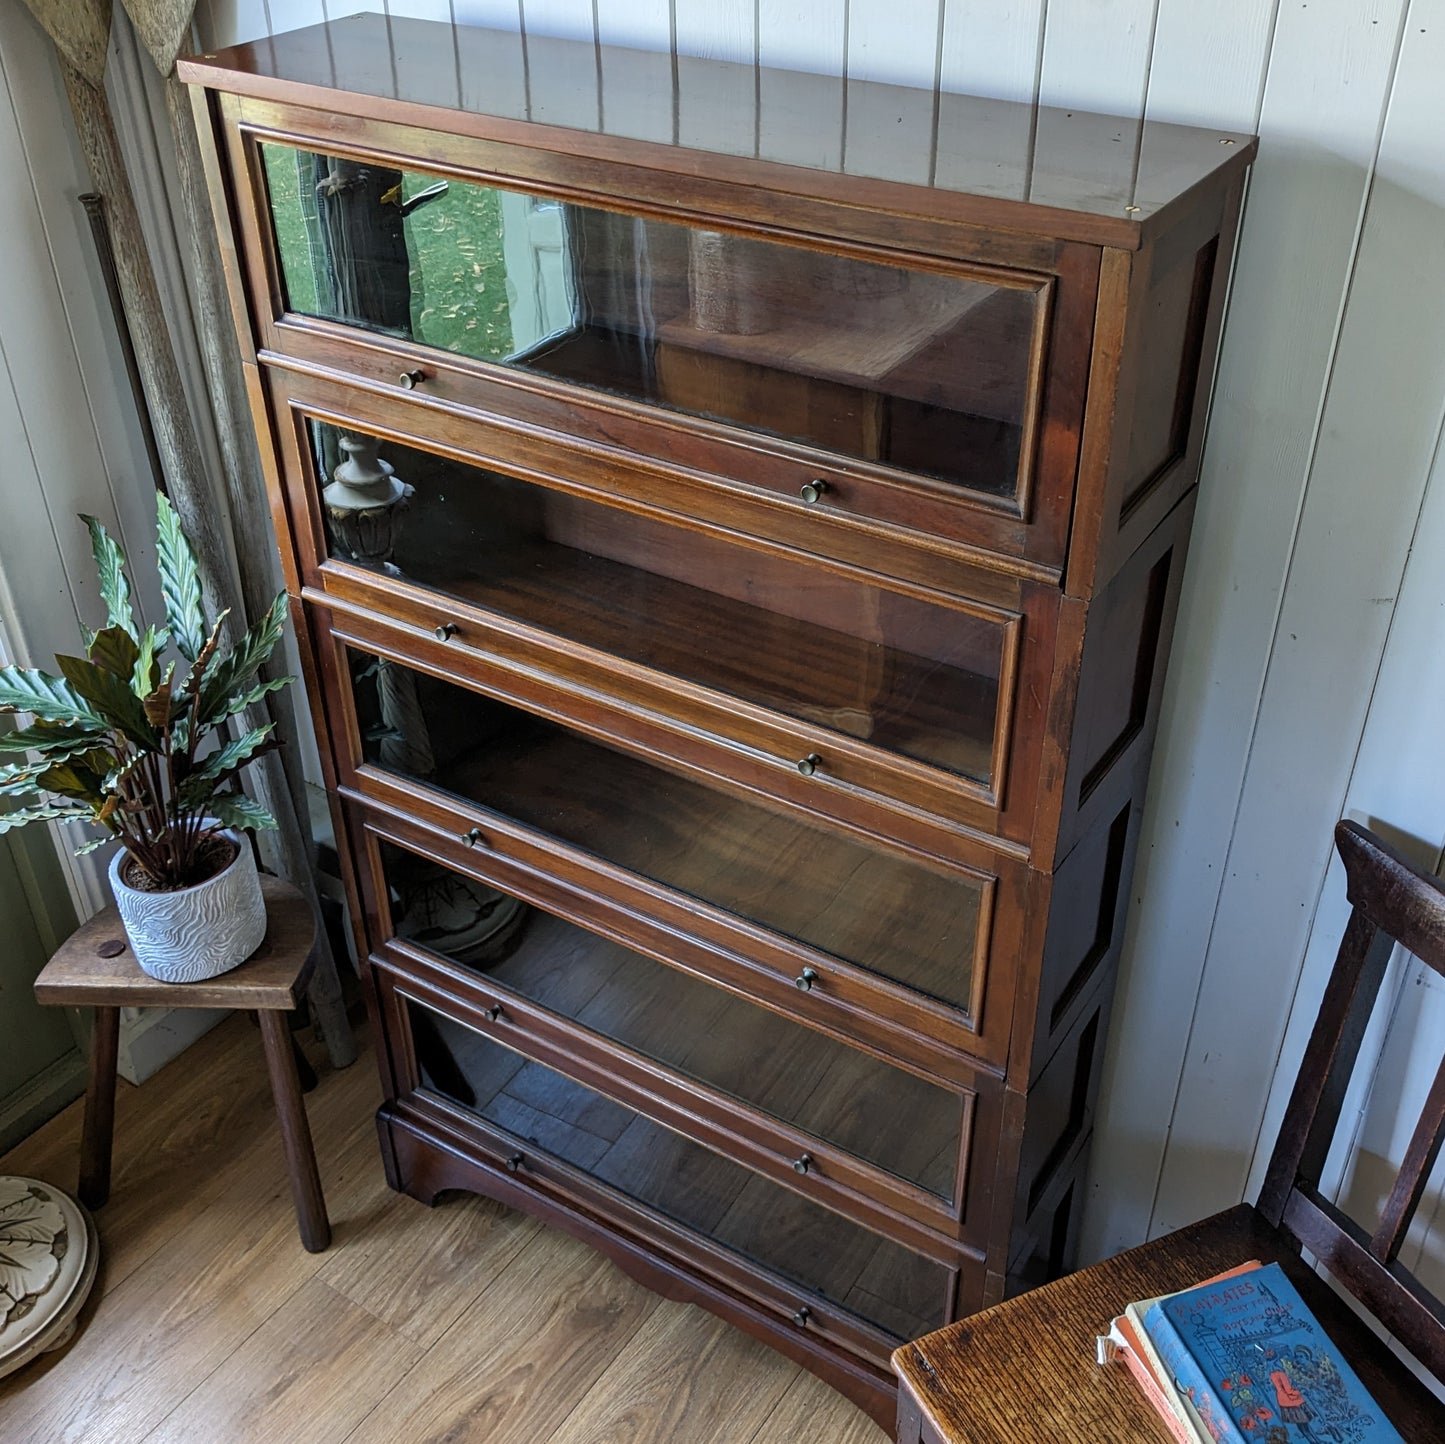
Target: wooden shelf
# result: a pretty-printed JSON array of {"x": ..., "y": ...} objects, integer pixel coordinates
[
  {"x": 772, "y": 1063},
  {"x": 929, "y": 710},
  {"x": 768, "y": 1224},
  {"x": 910, "y": 922}
]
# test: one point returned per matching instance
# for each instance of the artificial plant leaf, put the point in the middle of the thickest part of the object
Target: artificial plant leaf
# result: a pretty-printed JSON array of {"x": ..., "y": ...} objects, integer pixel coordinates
[
  {"x": 236, "y": 670},
  {"x": 180, "y": 582},
  {"x": 111, "y": 698},
  {"x": 221, "y": 766},
  {"x": 42, "y": 812},
  {"x": 241, "y": 700},
  {"x": 16, "y": 781},
  {"x": 114, "y": 649},
  {"x": 162, "y": 705},
  {"x": 115, "y": 779},
  {"x": 25, "y": 689},
  {"x": 234, "y": 809},
  {"x": 110, "y": 563},
  {"x": 146, "y": 674},
  {"x": 234, "y": 754},
  {"x": 54, "y": 739},
  {"x": 66, "y": 780}
]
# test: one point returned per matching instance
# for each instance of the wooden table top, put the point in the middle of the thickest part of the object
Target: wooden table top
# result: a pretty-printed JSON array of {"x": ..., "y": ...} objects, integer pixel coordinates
[
  {"x": 273, "y": 977},
  {"x": 1024, "y": 1372}
]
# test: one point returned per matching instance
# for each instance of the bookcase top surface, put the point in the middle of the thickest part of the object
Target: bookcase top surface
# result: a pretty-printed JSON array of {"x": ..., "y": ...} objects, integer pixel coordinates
[{"x": 1069, "y": 174}]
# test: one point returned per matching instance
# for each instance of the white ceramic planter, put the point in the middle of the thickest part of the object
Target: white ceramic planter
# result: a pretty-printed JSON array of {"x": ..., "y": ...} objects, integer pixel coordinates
[{"x": 198, "y": 932}]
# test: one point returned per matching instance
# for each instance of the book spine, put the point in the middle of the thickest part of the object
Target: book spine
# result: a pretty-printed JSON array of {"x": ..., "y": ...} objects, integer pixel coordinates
[
  {"x": 1190, "y": 1378},
  {"x": 1149, "y": 1386}
]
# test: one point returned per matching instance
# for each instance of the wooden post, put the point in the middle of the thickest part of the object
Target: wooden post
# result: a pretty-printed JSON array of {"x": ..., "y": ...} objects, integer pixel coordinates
[{"x": 181, "y": 457}]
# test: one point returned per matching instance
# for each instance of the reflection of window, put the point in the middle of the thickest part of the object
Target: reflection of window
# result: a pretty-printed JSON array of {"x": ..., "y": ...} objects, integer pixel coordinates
[{"x": 541, "y": 292}]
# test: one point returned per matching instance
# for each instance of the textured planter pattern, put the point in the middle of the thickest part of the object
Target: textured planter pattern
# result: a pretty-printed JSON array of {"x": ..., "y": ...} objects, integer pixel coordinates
[{"x": 198, "y": 932}]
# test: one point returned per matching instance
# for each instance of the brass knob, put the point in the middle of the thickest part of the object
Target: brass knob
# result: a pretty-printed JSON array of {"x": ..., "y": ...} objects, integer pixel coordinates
[
  {"x": 812, "y": 491},
  {"x": 802, "y": 1316},
  {"x": 803, "y": 1163},
  {"x": 410, "y": 380},
  {"x": 809, "y": 765},
  {"x": 515, "y": 1162},
  {"x": 495, "y": 1013},
  {"x": 446, "y": 631},
  {"x": 805, "y": 980},
  {"x": 473, "y": 837}
]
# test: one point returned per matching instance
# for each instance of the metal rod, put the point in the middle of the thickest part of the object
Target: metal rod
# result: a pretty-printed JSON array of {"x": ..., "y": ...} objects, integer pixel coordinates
[{"x": 100, "y": 233}]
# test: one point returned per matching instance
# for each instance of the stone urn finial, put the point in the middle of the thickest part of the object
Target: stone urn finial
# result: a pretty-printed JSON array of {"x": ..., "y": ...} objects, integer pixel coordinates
[{"x": 364, "y": 502}]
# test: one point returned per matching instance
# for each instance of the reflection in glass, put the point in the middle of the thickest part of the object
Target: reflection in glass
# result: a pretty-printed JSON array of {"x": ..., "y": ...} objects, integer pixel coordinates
[
  {"x": 773, "y": 1063},
  {"x": 916, "y": 368},
  {"x": 891, "y": 1287},
  {"x": 908, "y": 676},
  {"x": 908, "y": 920}
]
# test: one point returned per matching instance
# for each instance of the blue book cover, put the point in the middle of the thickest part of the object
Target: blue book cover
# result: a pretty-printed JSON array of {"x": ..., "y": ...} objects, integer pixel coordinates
[{"x": 1258, "y": 1366}]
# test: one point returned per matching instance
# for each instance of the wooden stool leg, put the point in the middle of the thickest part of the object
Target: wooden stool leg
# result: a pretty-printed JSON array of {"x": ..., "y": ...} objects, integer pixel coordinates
[
  {"x": 99, "y": 1126},
  {"x": 295, "y": 1133}
]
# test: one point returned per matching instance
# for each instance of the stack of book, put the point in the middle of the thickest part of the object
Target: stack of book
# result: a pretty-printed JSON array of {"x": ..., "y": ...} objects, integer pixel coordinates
[{"x": 1240, "y": 1359}]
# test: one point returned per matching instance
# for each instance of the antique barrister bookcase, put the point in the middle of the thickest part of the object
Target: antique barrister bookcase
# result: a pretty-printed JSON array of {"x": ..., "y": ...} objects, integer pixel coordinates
[{"x": 734, "y": 522}]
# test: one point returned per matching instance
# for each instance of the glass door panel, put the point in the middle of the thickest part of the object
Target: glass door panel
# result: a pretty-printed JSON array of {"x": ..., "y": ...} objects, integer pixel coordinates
[
  {"x": 896, "y": 916},
  {"x": 906, "y": 675},
  {"x": 890, "y": 1286},
  {"x": 915, "y": 368},
  {"x": 779, "y": 1066}
]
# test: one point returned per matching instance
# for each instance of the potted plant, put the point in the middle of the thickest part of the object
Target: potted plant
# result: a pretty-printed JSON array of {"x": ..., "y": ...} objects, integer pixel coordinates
[{"x": 138, "y": 744}]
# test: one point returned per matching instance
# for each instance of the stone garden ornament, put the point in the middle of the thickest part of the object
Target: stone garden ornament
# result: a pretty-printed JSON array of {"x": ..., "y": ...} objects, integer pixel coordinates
[
  {"x": 133, "y": 738},
  {"x": 48, "y": 1259}
]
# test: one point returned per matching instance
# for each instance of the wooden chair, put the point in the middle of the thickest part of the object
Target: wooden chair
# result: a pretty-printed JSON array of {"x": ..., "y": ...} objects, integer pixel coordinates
[{"x": 1024, "y": 1371}]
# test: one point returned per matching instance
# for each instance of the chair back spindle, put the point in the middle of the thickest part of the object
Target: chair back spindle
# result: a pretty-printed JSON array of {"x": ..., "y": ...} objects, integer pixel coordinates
[{"x": 1393, "y": 901}]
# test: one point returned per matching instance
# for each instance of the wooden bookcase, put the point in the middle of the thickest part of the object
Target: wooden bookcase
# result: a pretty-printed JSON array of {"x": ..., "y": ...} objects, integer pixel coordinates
[{"x": 735, "y": 597}]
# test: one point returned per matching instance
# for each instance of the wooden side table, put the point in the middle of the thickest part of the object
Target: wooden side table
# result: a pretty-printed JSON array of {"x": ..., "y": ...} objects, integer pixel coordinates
[{"x": 95, "y": 968}]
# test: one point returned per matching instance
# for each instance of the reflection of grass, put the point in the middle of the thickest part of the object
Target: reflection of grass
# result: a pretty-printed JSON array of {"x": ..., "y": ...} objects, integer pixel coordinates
[
  {"x": 458, "y": 276},
  {"x": 281, "y": 181}
]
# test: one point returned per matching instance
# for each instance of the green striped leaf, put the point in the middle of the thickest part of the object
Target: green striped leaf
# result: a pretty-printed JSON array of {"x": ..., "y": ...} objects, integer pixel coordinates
[
  {"x": 42, "y": 813},
  {"x": 114, "y": 649},
  {"x": 243, "y": 700},
  {"x": 224, "y": 763},
  {"x": 110, "y": 563},
  {"x": 55, "y": 740},
  {"x": 180, "y": 582},
  {"x": 146, "y": 674},
  {"x": 237, "y": 670},
  {"x": 111, "y": 699},
  {"x": 234, "y": 809},
  {"x": 25, "y": 689}
]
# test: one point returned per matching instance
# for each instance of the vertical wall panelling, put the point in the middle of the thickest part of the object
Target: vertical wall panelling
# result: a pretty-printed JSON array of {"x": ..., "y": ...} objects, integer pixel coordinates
[
  {"x": 1319, "y": 128},
  {"x": 1096, "y": 55},
  {"x": 230, "y": 22},
  {"x": 992, "y": 49},
  {"x": 417, "y": 9},
  {"x": 564, "y": 85},
  {"x": 795, "y": 36},
  {"x": 1377, "y": 438},
  {"x": 637, "y": 90},
  {"x": 719, "y": 102},
  {"x": 1209, "y": 61},
  {"x": 498, "y": 14},
  {"x": 882, "y": 46}
]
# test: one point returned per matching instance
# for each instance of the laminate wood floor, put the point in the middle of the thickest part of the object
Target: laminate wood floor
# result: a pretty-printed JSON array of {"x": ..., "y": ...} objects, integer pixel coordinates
[{"x": 462, "y": 1324}]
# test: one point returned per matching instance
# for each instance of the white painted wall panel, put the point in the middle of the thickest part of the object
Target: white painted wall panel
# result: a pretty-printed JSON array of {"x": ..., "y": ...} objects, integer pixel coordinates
[
  {"x": 1318, "y": 140},
  {"x": 1096, "y": 55},
  {"x": 992, "y": 49},
  {"x": 1379, "y": 428}
]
